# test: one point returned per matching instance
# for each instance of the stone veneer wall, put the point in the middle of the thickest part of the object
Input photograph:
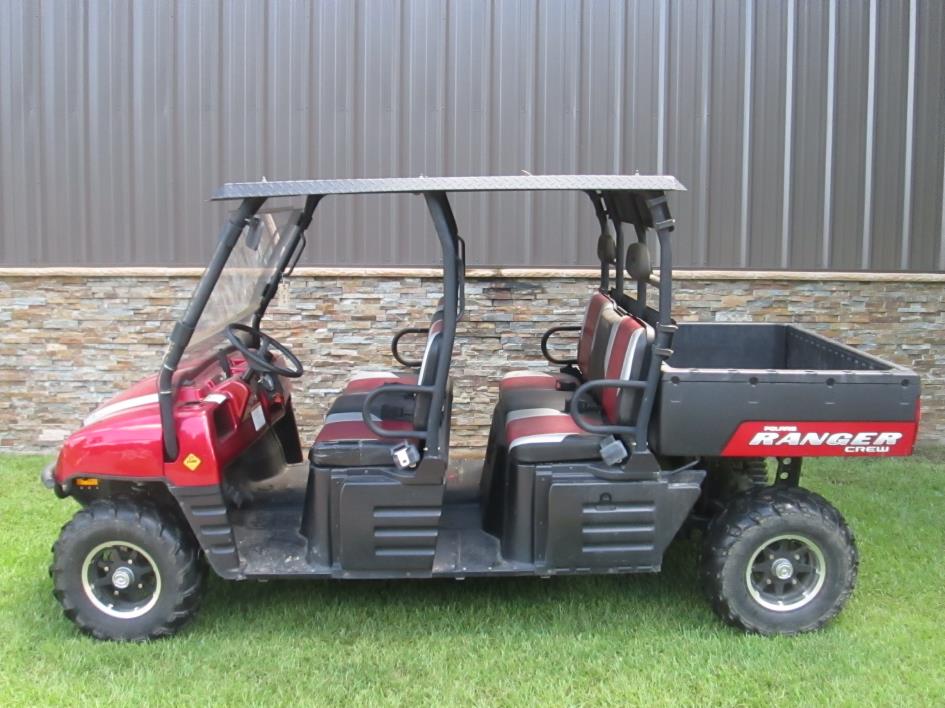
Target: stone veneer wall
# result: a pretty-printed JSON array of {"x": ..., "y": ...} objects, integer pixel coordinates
[{"x": 70, "y": 339}]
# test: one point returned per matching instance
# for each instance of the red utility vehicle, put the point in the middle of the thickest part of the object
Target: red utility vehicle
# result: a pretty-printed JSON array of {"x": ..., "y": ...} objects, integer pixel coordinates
[{"x": 591, "y": 467}]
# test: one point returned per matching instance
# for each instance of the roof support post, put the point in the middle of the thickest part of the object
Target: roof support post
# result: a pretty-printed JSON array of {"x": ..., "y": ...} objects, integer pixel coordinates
[
  {"x": 289, "y": 257},
  {"x": 621, "y": 265},
  {"x": 661, "y": 350},
  {"x": 446, "y": 231},
  {"x": 184, "y": 329},
  {"x": 601, "y": 213},
  {"x": 641, "y": 284}
]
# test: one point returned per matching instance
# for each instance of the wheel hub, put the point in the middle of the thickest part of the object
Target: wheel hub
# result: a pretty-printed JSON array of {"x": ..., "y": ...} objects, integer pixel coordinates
[
  {"x": 782, "y": 569},
  {"x": 123, "y": 578},
  {"x": 785, "y": 573}
]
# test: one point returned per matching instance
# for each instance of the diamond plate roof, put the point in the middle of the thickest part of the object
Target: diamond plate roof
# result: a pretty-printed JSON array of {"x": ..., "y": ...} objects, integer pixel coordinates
[{"x": 604, "y": 183}]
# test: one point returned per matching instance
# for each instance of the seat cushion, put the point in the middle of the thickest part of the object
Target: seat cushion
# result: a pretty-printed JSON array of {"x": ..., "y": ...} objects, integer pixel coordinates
[
  {"x": 558, "y": 381},
  {"x": 524, "y": 399},
  {"x": 364, "y": 381},
  {"x": 346, "y": 441},
  {"x": 392, "y": 406},
  {"x": 548, "y": 435}
]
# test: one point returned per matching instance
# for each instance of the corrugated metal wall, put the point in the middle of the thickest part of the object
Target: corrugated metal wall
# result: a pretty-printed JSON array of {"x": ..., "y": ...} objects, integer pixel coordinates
[{"x": 810, "y": 134}]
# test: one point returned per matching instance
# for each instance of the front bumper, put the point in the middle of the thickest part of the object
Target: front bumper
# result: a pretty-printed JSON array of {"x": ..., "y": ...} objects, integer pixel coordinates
[{"x": 48, "y": 476}]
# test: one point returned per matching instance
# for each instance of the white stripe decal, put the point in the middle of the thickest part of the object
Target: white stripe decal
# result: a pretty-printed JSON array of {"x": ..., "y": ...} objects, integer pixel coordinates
[
  {"x": 610, "y": 345},
  {"x": 631, "y": 352},
  {"x": 434, "y": 335},
  {"x": 354, "y": 417},
  {"x": 524, "y": 373},
  {"x": 533, "y": 413},
  {"x": 215, "y": 398},
  {"x": 362, "y": 375},
  {"x": 120, "y": 407},
  {"x": 534, "y": 439}
]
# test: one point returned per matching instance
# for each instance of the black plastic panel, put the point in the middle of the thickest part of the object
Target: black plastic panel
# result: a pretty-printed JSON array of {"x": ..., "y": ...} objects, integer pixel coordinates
[
  {"x": 207, "y": 514},
  {"x": 584, "y": 523},
  {"x": 378, "y": 523}
]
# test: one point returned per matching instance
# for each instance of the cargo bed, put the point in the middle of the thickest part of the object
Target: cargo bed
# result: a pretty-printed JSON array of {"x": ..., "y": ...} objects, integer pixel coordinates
[{"x": 727, "y": 383}]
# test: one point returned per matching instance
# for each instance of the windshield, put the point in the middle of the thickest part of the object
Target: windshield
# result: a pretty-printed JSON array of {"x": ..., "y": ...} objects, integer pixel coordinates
[{"x": 258, "y": 251}]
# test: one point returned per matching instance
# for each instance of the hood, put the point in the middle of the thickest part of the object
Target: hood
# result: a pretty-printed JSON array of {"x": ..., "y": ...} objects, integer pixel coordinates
[{"x": 122, "y": 437}]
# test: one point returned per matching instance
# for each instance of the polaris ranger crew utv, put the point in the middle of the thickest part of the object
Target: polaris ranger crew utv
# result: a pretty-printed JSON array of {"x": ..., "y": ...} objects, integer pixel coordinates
[{"x": 590, "y": 468}]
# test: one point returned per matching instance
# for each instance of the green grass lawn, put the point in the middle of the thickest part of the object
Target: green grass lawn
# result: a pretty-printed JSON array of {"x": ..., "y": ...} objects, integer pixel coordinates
[{"x": 606, "y": 640}]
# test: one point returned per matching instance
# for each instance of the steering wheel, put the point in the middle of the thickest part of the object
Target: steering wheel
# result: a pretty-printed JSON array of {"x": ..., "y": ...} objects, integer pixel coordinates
[{"x": 256, "y": 358}]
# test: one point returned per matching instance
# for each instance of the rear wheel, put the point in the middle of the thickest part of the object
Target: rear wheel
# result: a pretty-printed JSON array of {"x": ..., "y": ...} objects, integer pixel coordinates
[
  {"x": 125, "y": 571},
  {"x": 779, "y": 560}
]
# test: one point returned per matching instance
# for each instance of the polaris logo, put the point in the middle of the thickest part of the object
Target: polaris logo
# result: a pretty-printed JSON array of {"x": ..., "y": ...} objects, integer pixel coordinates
[{"x": 868, "y": 442}]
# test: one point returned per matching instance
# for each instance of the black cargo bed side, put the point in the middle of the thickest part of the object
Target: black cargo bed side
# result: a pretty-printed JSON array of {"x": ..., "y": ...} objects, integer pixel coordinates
[{"x": 723, "y": 374}]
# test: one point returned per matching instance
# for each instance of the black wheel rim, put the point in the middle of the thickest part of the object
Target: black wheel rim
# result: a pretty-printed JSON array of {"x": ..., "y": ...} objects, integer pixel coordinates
[
  {"x": 121, "y": 579},
  {"x": 785, "y": 573}
]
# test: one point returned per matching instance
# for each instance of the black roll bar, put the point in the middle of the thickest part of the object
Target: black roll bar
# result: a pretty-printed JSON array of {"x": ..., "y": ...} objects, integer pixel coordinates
[
  {"x": 289, "y": 258},
  {"x": 642, "y": 210},
  {"x": 601, "y": 214},
  {"x": 395, "y": 344},
  {"x": 544, "y": 344},
  {"x": 663, "y": 224},
  {"x": 621, "y": 248},
  {"x": 184, "y": 328},
  {"x": 584, "y": 390},
  {"x": 445, "y": 225},
  {"x": 461, "y": 268},
  {"x": 387, "y": 389},
  {"x": 641, "y": 284}
]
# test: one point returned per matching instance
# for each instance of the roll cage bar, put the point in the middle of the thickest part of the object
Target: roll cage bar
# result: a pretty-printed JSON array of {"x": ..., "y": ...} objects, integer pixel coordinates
[{"x": 617, "y": 199}]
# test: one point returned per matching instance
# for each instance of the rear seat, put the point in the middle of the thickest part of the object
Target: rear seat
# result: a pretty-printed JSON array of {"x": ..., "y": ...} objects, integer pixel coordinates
[
  {"x": 549, "y": 391},
  {"x": 550, "y": 435},
  {"x": 540, "y": 397},
  {"x": 563, "y": 380},
  {"x": 537, "y": 420}
]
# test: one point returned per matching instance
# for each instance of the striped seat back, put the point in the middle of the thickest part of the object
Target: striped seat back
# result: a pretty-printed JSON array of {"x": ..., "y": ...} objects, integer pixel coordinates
[{"x": 627, "y": 351}]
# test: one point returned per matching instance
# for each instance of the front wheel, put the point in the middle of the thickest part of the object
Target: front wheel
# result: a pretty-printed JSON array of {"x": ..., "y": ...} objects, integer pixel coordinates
[
  {"x": 779, "y": 560},
  {"x": 126, "y": 571}
]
